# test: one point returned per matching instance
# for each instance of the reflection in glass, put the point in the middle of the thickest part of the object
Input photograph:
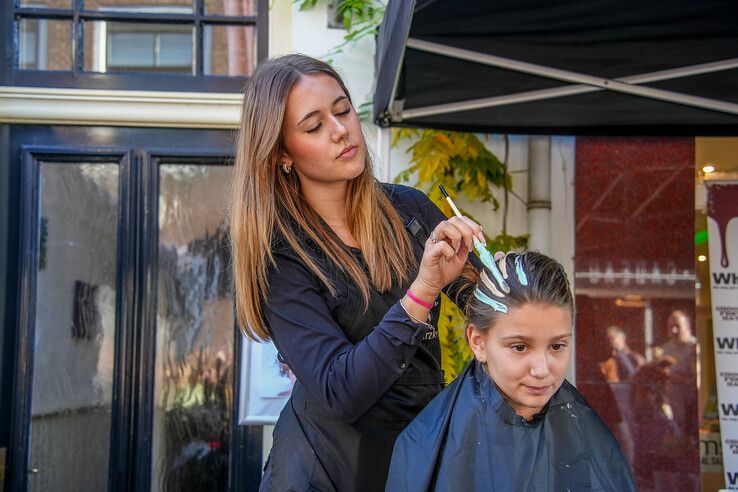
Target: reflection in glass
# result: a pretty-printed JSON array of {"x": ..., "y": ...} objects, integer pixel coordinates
[
  {"x": 74, "y": 337},
  {"x": 229, "y": 50},
  {"x": 148, "y": 6},
  {"x": 44, "y": 44},
  {"x": 230, "y": 7},
  {"x": 47, "y": 4},
  {"x": 140, "y": 47},
  {"x": 194, "y": 340},
  {"x": 635, "y": 297}
]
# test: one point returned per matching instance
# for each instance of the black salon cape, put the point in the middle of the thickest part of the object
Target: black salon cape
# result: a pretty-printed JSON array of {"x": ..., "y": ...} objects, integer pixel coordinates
[{"x": 469, "y": 438}]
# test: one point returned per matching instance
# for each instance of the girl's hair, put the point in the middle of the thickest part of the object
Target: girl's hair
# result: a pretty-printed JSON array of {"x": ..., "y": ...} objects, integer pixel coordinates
[
  {"x": 544, "y": 282},
  {"x": 266, "y": 202}
]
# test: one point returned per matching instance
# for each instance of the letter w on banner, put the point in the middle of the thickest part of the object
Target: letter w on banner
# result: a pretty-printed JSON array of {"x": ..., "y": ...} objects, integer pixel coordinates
[{"x": 722, "y": 227}]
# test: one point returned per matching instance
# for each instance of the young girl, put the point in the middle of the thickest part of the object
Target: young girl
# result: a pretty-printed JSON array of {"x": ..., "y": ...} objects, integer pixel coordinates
[
  {"x": 341, "y": 272},
  {"x": 511, "y": 421}
]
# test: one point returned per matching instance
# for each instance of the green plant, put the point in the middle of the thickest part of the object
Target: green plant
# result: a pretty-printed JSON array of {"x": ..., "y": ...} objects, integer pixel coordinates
[{"x": 361, "y": 18}]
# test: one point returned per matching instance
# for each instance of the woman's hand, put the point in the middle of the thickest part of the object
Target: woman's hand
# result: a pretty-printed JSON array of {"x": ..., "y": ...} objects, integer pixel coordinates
[{"x": 445, "y": 255}]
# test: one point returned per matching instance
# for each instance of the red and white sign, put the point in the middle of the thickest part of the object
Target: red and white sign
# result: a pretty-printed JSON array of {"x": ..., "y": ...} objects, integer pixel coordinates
[{"x": 722, "y": 228}]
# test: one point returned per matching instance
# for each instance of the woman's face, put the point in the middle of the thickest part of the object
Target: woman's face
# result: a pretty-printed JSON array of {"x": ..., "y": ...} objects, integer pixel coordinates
[
  {"x": 322, "y": 133},
  {"x": 527, "y": 353}
]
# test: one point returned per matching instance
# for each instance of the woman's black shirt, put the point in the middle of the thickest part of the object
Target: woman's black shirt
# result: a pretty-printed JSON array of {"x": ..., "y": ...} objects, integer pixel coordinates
[{"x": 362, "y": 375}]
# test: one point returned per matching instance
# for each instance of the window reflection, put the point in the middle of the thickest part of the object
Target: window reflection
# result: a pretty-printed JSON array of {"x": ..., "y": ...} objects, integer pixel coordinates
[
  {"x": 53, "y": 4},
  {"x": 148, "y": 36},
  {"x": 230, "y": 7},
  {"x": 74, "y": 336},
  {"x": 160, "y": 6},
  {"x": 230, "y": 50},
  {"x": 44, "y": 44},
  {"x": 195, "y": 332},
  {"x": 635, "y": 297},
  {"x": 139, "y": 47}
]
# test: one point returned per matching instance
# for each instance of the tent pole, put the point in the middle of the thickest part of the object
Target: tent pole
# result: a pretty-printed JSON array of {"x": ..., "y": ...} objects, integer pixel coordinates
[
  {"x": 569, "y": 90},
  {"x": 384, "y": 150},
  {"x": 573, "y": 77}
]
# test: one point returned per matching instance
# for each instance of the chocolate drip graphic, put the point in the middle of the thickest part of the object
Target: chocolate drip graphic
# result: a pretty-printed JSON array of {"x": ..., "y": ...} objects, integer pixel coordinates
[{"x": 722, "y": 206}]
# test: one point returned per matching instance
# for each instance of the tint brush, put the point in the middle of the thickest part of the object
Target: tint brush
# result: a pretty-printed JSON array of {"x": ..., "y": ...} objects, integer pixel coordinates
[{"x": 484, "y": 255}]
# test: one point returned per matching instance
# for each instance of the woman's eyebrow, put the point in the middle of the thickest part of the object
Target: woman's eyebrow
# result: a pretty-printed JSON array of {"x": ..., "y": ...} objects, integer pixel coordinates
[
  {"x": 307, "y": 116},
  {"x": 316, "y": 111}
]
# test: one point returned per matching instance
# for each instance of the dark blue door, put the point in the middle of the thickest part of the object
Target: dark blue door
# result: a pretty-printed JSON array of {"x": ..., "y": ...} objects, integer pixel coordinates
[{"x": 126, "y": 349}]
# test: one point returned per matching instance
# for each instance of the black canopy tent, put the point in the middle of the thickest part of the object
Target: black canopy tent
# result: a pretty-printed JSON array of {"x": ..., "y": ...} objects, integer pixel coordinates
[{"x": 582, "y": 67}]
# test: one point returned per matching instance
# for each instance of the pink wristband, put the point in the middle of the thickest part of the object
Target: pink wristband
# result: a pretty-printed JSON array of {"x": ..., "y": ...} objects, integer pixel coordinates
[{"x": 412, "y": 297}]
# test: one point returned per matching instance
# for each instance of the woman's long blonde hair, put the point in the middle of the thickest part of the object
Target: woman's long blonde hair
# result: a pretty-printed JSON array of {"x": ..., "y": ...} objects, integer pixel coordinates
[{"x": 266, "y": 202}]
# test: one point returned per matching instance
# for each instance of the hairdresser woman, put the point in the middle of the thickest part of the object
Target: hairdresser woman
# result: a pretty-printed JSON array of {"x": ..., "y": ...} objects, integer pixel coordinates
[{"x": 341, "y": 272}]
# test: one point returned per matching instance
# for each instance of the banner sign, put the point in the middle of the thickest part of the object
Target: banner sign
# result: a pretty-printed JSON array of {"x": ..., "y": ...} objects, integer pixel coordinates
[{"x": 722, "y": 227}]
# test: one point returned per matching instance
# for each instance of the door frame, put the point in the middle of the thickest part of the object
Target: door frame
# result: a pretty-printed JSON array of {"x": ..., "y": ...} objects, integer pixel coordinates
[
  {"x": 32, "y": 157},
  {"x": 139, "y": 153}
]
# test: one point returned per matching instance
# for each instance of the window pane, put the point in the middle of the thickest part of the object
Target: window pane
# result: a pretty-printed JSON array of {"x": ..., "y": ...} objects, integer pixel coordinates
[
  {"x": 230, "y": 7},
  {"x": 45, "y": 44},
  {"x": 229, "y": 50},
  {"x": 74, "y": 346},
  {"x": 194, "y": 332},
  {"x": 149, "y": 6},
  {"x": 131, "y": 49},
  {"x": 174, "y": 49},
  {"x": 53, "y": 4},
  {"x": 140, "y": 47},
  {"x": 635, "y": 298}
]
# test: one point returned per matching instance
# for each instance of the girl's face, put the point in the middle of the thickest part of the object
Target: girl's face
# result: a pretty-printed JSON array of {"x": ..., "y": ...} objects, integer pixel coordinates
[
  {"x": 322, "y": 133},
  {"x": 527, "y": 353}
]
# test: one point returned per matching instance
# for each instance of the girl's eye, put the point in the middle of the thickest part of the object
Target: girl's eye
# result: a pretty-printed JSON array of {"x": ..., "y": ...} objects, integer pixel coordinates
[
  {"x": 313, "y": 130},
  {"x": 558, "y": 347},
  {"x": 342, "y": 113},
  {"x": 518, "y": 348}
]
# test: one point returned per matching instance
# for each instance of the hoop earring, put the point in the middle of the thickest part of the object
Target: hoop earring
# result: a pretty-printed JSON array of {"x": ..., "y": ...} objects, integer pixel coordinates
[{"x": 287, "y": 169}]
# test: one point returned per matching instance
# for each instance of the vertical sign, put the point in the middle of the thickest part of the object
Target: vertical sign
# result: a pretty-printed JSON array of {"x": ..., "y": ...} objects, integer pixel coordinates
[{"x": 722, "y": 227}]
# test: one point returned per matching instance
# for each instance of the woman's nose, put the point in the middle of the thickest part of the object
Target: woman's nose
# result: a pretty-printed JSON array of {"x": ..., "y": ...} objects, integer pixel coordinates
[{"x": 339, "y": 130}]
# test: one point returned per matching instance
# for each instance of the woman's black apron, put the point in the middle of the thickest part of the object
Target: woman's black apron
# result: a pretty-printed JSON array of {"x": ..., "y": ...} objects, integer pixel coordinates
[{"x": 314, "y": 450}]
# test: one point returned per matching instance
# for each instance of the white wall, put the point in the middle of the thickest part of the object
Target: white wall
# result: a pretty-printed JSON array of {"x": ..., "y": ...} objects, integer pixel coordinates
[{"x": 295, "y": 31}]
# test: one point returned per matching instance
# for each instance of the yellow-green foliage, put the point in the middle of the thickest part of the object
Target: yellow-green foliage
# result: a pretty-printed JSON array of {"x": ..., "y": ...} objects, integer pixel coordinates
[
  {"x": 458, "y": 161},
  {"x": 455, "y": 352}
]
